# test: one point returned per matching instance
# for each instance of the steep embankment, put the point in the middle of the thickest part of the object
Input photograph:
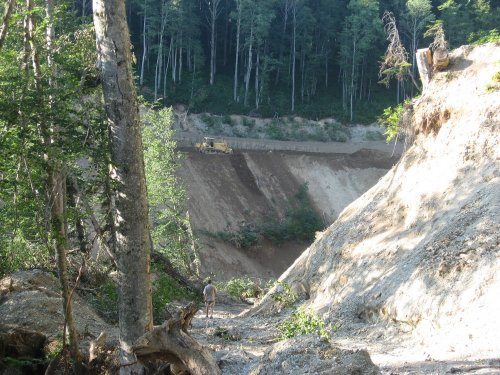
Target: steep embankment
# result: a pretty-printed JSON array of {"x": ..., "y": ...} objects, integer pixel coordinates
[
  {"x": 226, "y": 191},
  {"x": 419, "y": 252}
]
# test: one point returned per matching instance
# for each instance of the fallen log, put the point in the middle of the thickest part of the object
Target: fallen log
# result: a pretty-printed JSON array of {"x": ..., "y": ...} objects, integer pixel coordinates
[{"x": 171, "y": 343}]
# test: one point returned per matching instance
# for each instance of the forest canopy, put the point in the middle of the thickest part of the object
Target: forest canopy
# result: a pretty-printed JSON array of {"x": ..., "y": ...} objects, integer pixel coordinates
[{"x": 275, "y": 57}]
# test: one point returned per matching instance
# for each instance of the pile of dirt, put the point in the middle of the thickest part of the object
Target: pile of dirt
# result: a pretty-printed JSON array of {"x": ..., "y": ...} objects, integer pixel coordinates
[
  {"x": 32, "y": 300},
  {"x": 414, "y": 264}
]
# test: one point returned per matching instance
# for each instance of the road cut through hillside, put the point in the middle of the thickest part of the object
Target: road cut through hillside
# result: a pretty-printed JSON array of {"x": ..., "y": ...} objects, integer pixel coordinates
[{"x": 226, "y": 192}]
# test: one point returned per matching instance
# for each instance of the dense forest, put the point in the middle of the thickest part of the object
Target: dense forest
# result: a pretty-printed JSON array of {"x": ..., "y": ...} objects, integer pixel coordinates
[{"x": 277, "y": 57}]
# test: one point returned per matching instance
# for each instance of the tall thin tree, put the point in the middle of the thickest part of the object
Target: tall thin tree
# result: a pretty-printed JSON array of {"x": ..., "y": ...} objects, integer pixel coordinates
[{"x": 133, "y": 246}]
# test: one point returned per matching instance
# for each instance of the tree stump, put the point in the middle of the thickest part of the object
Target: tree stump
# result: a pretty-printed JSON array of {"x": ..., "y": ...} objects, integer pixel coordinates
[
  {"x": 171, "y": 343},
  {"x": 424, "y": 64},
  {"x": 440, "y": 58}
]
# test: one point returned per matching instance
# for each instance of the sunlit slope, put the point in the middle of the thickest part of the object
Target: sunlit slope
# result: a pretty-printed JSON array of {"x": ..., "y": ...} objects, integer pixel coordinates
[{"x": 420, "y": 250}]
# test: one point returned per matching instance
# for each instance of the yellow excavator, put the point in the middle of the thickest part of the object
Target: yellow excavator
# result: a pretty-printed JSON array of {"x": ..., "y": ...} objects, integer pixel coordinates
[{"x": 213, "y": 146}]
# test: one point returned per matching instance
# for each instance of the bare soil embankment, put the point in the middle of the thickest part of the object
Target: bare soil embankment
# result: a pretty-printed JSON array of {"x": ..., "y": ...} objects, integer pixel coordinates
[
  {"x": 228, "y": 191},
  {"x": 411, "y": 269}
]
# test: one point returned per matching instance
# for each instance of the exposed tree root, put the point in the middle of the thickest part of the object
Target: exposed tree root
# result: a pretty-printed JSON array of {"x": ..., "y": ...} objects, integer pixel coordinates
[{"x": 170, "y": 342}]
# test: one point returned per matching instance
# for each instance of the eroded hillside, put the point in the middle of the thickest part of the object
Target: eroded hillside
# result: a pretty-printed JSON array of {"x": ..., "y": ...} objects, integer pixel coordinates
[
  {"x": 414, "y": 264},
  {"x": 228, "y": 191}
]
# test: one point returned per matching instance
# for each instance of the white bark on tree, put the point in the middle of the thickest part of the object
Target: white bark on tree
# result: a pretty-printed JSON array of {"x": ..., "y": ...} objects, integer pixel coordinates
[
  {"x": 257, "y": 62},
  {"x": 351, "y": 97},
  {"x": 294, "y": 50},
  {"x": 213, "y": 8},
  {"x": 144, "y": 45},
  {"x": 249, "y": 67},
  {"x": 159, "y": 59},
  {"x": 239, "y": 5},
  {"x": 131, "y": 221},
  {"x": 9, "y": 5}
]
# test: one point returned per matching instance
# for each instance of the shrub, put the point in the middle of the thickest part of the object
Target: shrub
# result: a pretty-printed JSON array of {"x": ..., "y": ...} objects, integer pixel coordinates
[
  {"x": 301, "y": 221},
  {"x": 337, "y": 132},
  {"x": 206, "y": 118},
  {"x": 165, "y": 290},
  {"x": 242, "y": 288},
  {"x": 495, "y": 86},
  {"x": 371, "y": 135},
  {"x": 20, "y": 254},
  {"x": 274, "y": 229},
  {"x": 284, "y": 294},
  {"x": 484, "y": 36},
  {"x": 247, "y": 235},
  {"x": 249, "y": 123},
  {"x": 319, "y": 135},
  {"x": 228, "y": 120},
  {"x": 275, "y": 131},
  {"x": 390, "y": 120},
  {"x": 105, "y": 301},
  {"x": 304, "y": 322}
]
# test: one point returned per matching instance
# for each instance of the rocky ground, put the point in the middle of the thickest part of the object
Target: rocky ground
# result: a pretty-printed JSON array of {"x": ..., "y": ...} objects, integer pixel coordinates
[{"x": 240, "y": 343}]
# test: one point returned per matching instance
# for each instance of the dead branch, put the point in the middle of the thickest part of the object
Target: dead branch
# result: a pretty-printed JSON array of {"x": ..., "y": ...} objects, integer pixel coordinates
[{"x": 170, "y": 342}]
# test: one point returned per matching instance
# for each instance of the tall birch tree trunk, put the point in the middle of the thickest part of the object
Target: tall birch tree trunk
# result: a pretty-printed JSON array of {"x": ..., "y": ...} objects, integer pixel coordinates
[
  {"x": 294, "y": 11},
  {"x": 351, "y": 98},
  {"x": 159, "y": 59},
  {"x": 133, "y": 246},
  {"x": 249, "y": 67},
  {"x": 214, "y": 12},
  {"x": 144, "y": 46},
  {"x": 257, "y": 62},
  {"x": 9, "y": 5},
  {"x": 236, "y": 60}
]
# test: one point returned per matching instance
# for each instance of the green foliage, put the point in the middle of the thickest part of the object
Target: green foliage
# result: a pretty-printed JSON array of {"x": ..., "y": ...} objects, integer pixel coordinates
[
  {"x": 245, "y": 236},
  {"x": 166, "y": 195},
  {"x": 54, "y": 350},
  {"x": 337, "y": 132},
  {"x": 243, "y": 287},
  {"x": 390, "y": 119},
  {"x": 484, "y": 36},
  {"x": 301, "y": 221},
  {"x": 284, "y": 294},
  {"x": 165, "y": 291},
  {"x": 465, "y": 20},
  {"x": 20, "y": 254},
  {"x": 30, "y": 104},
  {"x": 275, "y": 131},
  {"x": 304, "y": 322},
  {"x": 19, "y": 362},
  {"x": 248, "y": 122},
  {"x": 105, "y": 301}
]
